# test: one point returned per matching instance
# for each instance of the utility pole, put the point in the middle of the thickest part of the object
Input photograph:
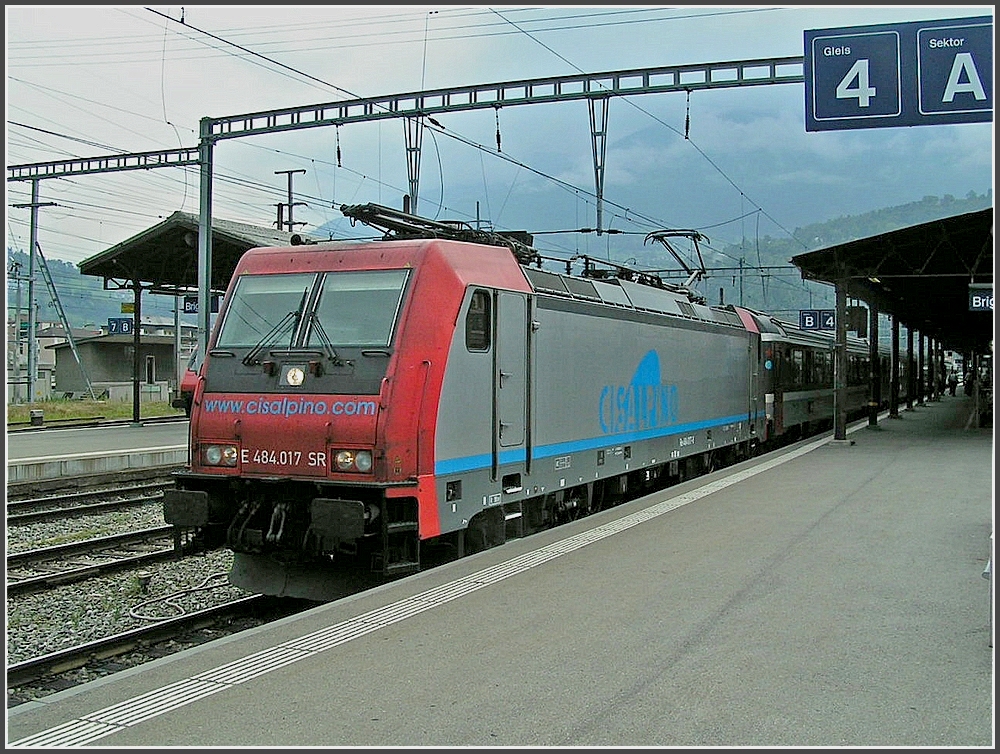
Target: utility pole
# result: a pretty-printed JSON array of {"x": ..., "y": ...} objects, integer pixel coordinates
[
  {"x": 15, "y": 274},
  {"x": 32, "y": 316},
  {"x": 291, "y": 225},
  {"x": 741, "y": 281}
]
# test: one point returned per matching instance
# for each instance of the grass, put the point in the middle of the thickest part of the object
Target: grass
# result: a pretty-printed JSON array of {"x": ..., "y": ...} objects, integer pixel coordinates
[{"x": 87, "y": 409}]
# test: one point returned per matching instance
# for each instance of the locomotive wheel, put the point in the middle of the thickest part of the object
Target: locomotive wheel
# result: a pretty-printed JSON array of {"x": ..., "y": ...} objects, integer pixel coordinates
[
  {"x": 572, "y": 506},
  {"x": 597, "y": 497},
  {"x": 485, "y": 530},
  {"x": 475, "y": 536}
]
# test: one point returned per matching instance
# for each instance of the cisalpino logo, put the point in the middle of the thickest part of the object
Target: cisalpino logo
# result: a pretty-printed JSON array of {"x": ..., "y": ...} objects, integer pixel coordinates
[
  {"x": 646, "y": 402},
  {"x": 288, "y": 407}
]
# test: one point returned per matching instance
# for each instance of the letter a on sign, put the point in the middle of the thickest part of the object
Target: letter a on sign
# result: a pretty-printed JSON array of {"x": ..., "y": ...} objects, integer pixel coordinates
[{"x": 964, "y": 64}]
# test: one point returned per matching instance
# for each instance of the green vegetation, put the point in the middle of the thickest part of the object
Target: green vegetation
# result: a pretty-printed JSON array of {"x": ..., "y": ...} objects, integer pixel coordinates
[
  {"x": 83, "y": 297},
  {"x": 60, "y": 409}
]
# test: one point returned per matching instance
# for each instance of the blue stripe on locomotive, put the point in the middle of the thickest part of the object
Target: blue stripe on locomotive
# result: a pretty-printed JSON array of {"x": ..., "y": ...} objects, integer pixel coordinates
[
  {"x": 482, "y": 461},
  {"x": 649, "y": 403}
]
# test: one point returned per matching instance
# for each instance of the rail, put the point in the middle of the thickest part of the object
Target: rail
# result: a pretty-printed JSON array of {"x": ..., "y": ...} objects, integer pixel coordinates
[{"x": 80, "y": 655}]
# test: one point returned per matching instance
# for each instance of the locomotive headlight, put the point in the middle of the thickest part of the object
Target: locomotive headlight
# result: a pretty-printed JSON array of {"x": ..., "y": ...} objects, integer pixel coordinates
[
  {"x": 294, "y": 376},
  {"x": 353, "y": 460},
  {"x": 219, "y": 455},
  {"x": 363, "y": 460}
]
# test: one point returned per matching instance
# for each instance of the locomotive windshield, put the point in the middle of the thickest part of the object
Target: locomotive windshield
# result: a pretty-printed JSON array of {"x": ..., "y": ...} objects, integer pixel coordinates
[
  {"x": 313, "y": 310},
  {"x": 262, "y": 303},
  {"x": 358, "y": 308}
]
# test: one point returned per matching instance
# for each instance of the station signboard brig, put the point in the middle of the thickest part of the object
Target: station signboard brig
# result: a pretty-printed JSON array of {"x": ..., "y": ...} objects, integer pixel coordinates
[
  {"x": 906, "y": 74},
  {"x": 981, "y": 297},
  {"x": 191, "y": 304}
]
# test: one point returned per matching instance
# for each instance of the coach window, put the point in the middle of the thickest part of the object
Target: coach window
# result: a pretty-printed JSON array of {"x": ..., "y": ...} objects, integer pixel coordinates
[
  {"x": 477, "y": 322},
  {"x": 824, "y": 367},
  {"x": 798, "y": 366}
]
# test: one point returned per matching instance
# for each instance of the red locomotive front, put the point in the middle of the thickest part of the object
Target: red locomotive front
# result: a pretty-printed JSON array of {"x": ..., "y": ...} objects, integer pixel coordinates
[{"x": 312, "y": 426}]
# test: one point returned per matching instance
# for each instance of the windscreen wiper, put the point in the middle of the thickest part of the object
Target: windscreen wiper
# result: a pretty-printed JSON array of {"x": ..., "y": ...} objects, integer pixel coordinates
[
  {"x": 331, "y": 352},
  {"x": 253, "y": 354}
]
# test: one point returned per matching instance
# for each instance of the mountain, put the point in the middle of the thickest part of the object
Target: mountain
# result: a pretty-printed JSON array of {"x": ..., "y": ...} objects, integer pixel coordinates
[
  {"x": 757, "y": 273},
  {"x": 783, "y": 292},
  {"x": 83, "y": 297}
]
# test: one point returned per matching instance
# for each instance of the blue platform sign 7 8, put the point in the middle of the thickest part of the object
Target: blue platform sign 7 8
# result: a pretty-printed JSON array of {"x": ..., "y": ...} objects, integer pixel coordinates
[
  {"x": 119, "y": 325},
  {"x": 908, "y": 74}
]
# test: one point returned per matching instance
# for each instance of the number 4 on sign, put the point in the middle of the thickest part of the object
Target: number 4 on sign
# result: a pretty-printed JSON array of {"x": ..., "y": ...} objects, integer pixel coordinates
[{"x": 863, "y": 92}]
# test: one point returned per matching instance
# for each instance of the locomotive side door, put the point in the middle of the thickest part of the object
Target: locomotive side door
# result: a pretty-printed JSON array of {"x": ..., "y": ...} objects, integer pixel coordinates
[
  {"x": 755, "y": 353},
  {"x": 509, "y": 376}
]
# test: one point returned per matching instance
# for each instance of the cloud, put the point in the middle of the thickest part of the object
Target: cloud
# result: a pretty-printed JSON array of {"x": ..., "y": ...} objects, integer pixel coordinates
[{"x": 129, "y": 79}]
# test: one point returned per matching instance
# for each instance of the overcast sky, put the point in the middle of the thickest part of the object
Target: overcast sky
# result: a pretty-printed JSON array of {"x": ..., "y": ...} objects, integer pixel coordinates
[{"x": 91, "y": 81}]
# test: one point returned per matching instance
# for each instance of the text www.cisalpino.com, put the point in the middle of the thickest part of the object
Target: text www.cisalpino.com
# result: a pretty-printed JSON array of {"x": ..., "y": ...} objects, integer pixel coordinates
[{"x": 289, "y": 407}]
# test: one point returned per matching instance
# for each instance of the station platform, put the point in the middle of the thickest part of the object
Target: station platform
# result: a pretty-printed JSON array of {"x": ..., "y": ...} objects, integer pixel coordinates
[
  {"x": 829, "y": 594},
  {"x": 41, "y": 455}
]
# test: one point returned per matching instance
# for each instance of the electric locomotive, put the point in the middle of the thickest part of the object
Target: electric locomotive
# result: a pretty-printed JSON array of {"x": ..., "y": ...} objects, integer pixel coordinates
[{"x": 362, "y": 403}]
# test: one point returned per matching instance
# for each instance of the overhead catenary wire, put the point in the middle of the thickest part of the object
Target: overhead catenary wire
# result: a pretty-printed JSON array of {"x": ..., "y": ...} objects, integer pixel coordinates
[
  {"x": 658, "y": 120},
  {"x": 304, "y": 37},
  {"x": 340, "y": 89},
  {"x": 630, "y": 219}
]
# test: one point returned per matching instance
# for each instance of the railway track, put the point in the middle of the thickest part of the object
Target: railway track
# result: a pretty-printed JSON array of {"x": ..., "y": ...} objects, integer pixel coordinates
[
  {"x": 60, "y": 564},
  {"x": 84, "y": 502},
  {"x": 229, "y": 617},
  {"x": 41, "y": 492}
]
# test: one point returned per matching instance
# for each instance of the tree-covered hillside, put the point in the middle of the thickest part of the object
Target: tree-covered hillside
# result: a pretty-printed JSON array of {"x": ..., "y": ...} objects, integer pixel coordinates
[
  {"x": 784, "y": 292},
  {"x": 83, "y": 297},
  {"x": 769, "y": 282}
]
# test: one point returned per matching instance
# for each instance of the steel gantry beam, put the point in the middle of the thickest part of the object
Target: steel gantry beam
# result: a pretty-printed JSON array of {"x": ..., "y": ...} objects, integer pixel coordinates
[
  {"x": 758, "y": 72},
  {"x": 675, "y": 78},
  {"x": 166, "y": 158},
  {"x": 595, "y": 88}
]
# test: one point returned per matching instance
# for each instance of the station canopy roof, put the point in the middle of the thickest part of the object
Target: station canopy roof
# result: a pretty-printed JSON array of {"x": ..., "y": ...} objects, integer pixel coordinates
[
  {"x": 164, "y": 258},
  {"x": 920, "y": 274}
]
